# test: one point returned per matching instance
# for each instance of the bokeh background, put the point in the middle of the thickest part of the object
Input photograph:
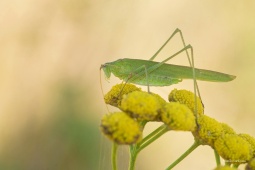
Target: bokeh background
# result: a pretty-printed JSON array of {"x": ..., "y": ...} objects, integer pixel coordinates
[{"x": 50, "y": 55}]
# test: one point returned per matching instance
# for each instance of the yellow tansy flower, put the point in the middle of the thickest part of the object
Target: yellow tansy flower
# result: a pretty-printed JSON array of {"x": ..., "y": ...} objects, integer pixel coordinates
[
  {"x": 114, "y": 96},
  {"x": 250, "y": 165},
  {"x": 250, "y": 140},
  {"x": 120, "y": 128},
  {"x": 141, "y": 105},
  {"x": 178, "y": 117},
  {"x": 233, "y": 148},
  {"x": 186, "y": 97},
  {"x": 208, "y": 130}
]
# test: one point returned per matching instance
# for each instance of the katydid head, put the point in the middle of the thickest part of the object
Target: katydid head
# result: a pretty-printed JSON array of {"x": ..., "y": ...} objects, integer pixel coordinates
[
  {"x": 106, "y": 69},
  {"x": 115, "y": 67}
]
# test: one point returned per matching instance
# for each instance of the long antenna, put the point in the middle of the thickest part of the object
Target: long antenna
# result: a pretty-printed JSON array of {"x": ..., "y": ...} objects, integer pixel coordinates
[{"x": 102, "y": 91}]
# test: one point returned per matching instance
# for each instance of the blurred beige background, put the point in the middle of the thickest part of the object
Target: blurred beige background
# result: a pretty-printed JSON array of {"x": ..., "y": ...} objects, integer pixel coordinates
[{"x": 50, "y": 55}]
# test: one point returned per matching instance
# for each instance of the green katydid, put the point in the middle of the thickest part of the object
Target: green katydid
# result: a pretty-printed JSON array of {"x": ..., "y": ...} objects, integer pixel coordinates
[
  {"x": 151, "y": 73},
  {"x": 158, "y": 74}
]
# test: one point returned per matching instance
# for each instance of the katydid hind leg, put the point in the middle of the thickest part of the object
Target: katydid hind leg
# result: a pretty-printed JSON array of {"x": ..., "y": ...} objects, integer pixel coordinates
[
  {"x": 171, "y": 36},
  {"x": 191, "y": 62}
]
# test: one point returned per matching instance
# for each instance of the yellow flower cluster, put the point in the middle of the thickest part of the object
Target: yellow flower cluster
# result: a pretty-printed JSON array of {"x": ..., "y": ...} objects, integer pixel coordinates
[
  {"x": 141, "y": 106},
  {"x": 178, "y": 114},
  {"x": 121, "y": 128},
  {"x": 182, "y": 113},
  {"x": 234, "y": 148}
]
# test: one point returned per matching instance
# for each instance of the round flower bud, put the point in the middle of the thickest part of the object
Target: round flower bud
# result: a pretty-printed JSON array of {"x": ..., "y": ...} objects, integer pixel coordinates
[
  {"x": 250, "y": 140},
  {"x": 141, "y": 105},
  {"x": 187, "y": 98},
  {"x": 208, "y": 130},
  {"x": 233, "y": 148},
  {"x": 114, "y": 96},
  {"x": 120, "y": 128},
  {"x": 178, "y": 117}
]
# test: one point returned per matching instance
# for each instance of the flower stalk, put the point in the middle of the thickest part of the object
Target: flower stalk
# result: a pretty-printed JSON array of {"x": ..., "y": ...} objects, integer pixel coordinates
[
  {"x": 184, "y": 155},
  {"x": 114, "y": 156}
]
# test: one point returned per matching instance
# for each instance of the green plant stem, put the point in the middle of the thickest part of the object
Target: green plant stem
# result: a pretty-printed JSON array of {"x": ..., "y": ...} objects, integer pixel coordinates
[
  {"x": 135, "y": 149},
  {"x": 227, "y": 163},
  {"x": 158, "y": 132},
  {"x": 114, "y": 156},
  {"x": 193, "y": 147},
  {"x": 152, "y": 134},
  {"x": 236, "y": 165},
  {"x": 217, "y": 158},
  {"x": 143, "y": 123},
  {"x": 133, "y": 155}
]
